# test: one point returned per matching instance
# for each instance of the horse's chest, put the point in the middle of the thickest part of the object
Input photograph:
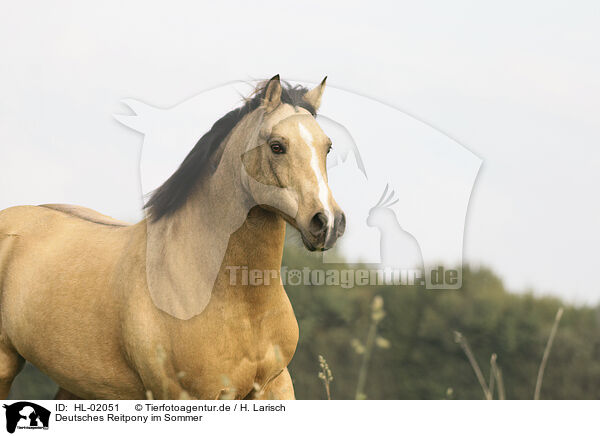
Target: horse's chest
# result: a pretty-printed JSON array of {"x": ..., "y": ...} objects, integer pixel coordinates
[{"x": 241, "y": 356}]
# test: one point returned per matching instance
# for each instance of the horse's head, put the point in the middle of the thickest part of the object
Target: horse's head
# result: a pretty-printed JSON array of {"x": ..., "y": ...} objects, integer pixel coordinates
[{"x": 291, "y": 153}]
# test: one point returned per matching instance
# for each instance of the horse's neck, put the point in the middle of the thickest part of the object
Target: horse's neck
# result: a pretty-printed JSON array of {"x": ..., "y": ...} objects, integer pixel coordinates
[
  {"x": 258, "y": 243},
  {"x": 218, "y": 226}
]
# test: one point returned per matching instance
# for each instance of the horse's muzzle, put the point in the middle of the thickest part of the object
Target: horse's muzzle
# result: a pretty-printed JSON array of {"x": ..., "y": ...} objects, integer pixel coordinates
[{"x": 324, "y": 231}]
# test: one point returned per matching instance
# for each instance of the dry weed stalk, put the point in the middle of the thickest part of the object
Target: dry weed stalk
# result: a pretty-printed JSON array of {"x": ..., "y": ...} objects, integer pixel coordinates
[
  {"x": 491, "y": 383},
  {"x": 497, "y": 376},
  {"x": 325, "y": 375},
  {"x": 377, "y": 314},
  {"x": 462, "y": 341},
  {"x": 540, "y": 376}
]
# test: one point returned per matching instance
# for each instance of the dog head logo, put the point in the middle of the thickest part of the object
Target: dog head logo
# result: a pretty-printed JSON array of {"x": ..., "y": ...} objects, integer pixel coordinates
[{"x": 26, "y": 415}]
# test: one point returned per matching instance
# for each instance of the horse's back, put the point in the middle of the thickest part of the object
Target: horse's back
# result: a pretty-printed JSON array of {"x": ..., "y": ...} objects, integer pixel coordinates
[
  {"x": 43, "y": 217},
  {"x": 55, "y": 243},
  {"x": 53, "y": 231},
  {"x": 86, "y": 214}
]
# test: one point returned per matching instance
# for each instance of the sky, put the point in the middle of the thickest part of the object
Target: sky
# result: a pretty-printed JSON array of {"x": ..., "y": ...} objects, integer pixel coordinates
[{"x": 516, "y": 83}]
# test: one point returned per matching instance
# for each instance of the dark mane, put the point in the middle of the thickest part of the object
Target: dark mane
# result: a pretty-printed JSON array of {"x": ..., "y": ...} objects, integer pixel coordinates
[{"x": 172, "y": 194}]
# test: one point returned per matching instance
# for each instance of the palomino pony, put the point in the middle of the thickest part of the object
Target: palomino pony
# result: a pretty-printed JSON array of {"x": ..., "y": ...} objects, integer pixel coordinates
[{"x": 75, "y": 284}]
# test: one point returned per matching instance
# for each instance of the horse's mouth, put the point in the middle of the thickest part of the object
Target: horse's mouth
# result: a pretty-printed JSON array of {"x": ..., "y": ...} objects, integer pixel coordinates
[
  {"x": 310, "y": 246},
  {"x": 307, "y": 244}
]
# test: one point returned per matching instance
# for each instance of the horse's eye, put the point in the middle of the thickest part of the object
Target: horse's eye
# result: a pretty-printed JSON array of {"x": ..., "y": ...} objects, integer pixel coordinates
[
  {"x": 329, "y": 149},
  {"x": 277, "y": 148}
]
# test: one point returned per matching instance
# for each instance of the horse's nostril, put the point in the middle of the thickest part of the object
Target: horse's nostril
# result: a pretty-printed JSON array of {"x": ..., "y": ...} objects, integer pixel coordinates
[
  {"x": 340, "y": 224},
  {"x": 318, "y": 224}
]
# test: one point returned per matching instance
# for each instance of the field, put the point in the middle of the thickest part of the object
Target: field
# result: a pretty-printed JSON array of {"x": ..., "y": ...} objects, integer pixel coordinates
[{"x": 409, "y": 343}]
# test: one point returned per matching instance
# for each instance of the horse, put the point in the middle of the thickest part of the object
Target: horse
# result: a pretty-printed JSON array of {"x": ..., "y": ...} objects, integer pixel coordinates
[{"x": 111, "y": 310}]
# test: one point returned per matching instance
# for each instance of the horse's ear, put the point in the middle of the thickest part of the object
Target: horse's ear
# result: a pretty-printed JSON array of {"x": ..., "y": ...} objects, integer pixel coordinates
[
  {"x": 273, "y": 93},
  {"x": 313, "y": 97}
]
